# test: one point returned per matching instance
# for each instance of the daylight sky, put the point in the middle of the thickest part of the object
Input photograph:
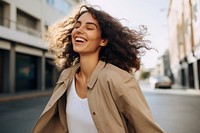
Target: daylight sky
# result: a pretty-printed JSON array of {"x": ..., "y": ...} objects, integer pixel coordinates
[{"x": 152, "y": 13}]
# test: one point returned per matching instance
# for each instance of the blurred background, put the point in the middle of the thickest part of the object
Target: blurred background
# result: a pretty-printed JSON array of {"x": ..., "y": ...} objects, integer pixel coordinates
[{"x": 173, "y": 26}]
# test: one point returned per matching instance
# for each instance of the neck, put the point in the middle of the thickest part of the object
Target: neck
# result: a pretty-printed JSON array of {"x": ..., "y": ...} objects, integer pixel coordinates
[{"x": 87, "y": 66}]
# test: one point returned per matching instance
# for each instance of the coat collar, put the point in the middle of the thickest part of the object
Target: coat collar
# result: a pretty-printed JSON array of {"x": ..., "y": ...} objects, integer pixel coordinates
[
  {"x": 68, "y": 74},
  {"x": 95, "y": 73}
]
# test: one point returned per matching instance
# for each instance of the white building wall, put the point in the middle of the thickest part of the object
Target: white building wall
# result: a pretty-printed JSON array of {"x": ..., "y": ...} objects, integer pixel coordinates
[
  {"x": 37, "y": 8},
  {"x": 173, "y": 22},
  {"x": 184, "y": 19},
  {"x": 196, "y": 21},
  {"x": 13, "y": 42}
]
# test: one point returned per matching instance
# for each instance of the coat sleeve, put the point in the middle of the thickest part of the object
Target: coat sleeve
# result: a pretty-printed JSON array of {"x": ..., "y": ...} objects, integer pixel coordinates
[{"x": 131, "y": 102}]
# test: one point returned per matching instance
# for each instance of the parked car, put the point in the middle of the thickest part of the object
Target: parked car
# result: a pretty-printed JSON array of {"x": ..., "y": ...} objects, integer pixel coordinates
[{"x": 160, "y": 81}]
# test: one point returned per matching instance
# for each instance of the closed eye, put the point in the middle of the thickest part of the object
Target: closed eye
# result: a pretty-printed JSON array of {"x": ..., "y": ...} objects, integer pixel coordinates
[
  {"x": 77, "y": 25},
  {"x": 88, "y": 25},
  {"x": 90, "y": 28}
]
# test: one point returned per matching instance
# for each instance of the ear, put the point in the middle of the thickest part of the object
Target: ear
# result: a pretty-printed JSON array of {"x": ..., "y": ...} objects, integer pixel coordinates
[{"x": 103, "y": 42}]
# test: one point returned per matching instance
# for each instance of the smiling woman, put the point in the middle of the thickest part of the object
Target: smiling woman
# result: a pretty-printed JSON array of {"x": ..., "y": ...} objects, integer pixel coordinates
[
  {"x": 86, "y": 37},
  {"x": 96, "y": 90}
]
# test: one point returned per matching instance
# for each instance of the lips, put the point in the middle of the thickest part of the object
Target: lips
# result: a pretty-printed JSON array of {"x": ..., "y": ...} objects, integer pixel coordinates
[{"x": 80, "y": 39}]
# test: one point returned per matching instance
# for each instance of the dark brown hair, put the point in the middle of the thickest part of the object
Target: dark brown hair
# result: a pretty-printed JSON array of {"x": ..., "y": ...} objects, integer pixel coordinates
[{"x": 124, "y": 47}]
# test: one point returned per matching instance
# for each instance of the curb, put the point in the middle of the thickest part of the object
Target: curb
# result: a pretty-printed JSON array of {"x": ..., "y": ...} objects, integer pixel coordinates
[
  {"x": 187, "y": 92},
  {"x": 27, "y": 95},
  {"x": 175, "y": 89}
]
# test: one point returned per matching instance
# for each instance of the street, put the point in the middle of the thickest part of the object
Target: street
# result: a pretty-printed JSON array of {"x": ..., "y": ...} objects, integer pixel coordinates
[
  {"x": 19, "y": 116},
  {"x": 175, "y": 110},
  {"x": 175, "y": 113}
]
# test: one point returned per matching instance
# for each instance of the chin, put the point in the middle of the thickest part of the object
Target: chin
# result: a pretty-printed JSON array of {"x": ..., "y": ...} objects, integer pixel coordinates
[{"x": 77, "y": 51}]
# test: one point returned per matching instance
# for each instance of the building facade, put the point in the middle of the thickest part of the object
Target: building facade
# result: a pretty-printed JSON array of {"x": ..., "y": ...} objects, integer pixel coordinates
[
  {"x": 184, "y": 40},
  {"x": 25, "y": 63}
]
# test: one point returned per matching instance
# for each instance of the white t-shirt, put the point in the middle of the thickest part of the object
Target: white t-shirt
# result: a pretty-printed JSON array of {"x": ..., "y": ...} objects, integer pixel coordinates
[{"x": 79, "y": 118}]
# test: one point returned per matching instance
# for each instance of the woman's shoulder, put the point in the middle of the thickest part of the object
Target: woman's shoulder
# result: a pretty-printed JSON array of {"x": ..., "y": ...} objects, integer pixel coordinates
[
  {"x": 65, "y": 73},
  {"x": 116, "y": 76},
  {"x": 66, "y": 70},
  {"x": 113, "y": 71}
]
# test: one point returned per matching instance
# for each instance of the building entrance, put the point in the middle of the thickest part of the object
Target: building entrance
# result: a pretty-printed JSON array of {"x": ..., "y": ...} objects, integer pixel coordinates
[
  {"x": 198, "y": 69},
  {"x": 1, "y": 71},
  {"x": 26, "y": 72},
  {"x": 191, "y": 76}
]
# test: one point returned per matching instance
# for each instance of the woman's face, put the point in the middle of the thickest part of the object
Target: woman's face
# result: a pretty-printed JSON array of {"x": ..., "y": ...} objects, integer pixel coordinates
[{"x": 86, "y": 36}]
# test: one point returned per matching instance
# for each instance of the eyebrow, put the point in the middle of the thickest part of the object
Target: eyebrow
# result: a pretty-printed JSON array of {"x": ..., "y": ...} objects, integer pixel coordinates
[{"x": 89, "y": 23}]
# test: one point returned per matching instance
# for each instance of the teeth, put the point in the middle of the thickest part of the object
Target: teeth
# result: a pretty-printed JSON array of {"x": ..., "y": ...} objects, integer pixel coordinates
[{"x": 79, "y": 39}]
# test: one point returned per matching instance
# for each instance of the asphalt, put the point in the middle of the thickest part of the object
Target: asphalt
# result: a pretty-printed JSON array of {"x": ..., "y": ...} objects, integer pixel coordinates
[{"x": 23, "y": 95}]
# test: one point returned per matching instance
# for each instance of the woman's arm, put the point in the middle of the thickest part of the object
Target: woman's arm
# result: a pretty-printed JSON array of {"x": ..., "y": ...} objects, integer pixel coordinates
[{"x": 131, "y": 103}]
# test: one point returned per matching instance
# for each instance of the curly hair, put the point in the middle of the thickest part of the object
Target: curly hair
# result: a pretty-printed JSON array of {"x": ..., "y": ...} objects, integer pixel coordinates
[{"x": 124, "y": 47}]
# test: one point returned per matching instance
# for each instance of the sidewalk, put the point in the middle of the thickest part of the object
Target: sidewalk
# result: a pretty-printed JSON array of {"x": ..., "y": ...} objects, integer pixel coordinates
[
  {"x": 24, "y": 95},
  {"x": 176, "y": 89}
]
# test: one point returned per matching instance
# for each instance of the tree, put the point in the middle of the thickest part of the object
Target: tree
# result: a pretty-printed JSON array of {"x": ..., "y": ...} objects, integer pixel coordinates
[{"x": 144, "y": 75}]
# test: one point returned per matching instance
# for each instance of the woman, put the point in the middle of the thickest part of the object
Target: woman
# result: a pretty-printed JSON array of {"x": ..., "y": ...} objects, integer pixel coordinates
[{"x": 96, "y": 91}]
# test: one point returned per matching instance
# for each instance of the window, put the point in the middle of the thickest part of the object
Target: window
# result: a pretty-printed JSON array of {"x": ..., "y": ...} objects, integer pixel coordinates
[
  {"x": 61, "y": 5},
  {"x": 4, "y": 14},
  {"x": 27, "y": 23},
  {"x": 1, "y": 13},
  {"x": 195, "y": 12},
  {"x": 26, "y": 20},
  {"x": 187, "y": 26},
  {"x": 50, "y": 2}
]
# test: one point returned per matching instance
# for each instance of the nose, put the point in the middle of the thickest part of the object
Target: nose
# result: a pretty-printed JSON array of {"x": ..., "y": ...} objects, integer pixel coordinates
[{"x": 79, "y": 29}]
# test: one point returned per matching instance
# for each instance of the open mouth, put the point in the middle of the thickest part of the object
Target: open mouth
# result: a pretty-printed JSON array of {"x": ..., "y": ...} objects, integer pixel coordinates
[{"x": 80, "y": 39}]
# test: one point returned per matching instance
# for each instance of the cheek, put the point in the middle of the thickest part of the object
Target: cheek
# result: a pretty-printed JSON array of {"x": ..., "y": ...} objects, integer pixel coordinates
[
  {"x": 95, "y": 36},
  {"x": 72, "y": 33}
]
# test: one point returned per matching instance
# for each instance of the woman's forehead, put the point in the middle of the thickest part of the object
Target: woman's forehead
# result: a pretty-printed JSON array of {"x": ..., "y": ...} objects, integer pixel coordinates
[{"x": 87, "y": 17}]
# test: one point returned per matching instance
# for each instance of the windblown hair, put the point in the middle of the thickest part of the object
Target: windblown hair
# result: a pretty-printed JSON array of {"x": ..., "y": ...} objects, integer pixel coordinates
[{"x": 124, "y": 47}]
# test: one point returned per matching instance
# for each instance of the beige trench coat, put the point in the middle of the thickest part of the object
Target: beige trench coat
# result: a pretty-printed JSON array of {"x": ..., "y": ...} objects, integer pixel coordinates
[{"x": 116, "y": 103}]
